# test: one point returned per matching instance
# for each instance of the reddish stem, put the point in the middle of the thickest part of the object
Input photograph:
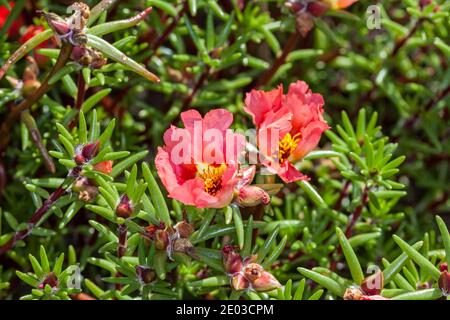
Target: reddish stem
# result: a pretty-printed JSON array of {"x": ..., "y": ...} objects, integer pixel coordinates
[
  {"x": 290, "y": 45},
  {"x": 39, "y": 213}
]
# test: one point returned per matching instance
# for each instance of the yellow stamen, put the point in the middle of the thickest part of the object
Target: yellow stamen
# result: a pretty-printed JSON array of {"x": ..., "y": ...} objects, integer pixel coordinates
[
  {"x": 287, "y": 146},
  {"x": 212, "y": 176}
]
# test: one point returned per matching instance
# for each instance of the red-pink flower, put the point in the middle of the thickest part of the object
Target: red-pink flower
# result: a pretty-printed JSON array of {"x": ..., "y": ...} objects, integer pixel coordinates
[
  {"x": 294, "y": 120},
  {"x": 198, "y": 164}
]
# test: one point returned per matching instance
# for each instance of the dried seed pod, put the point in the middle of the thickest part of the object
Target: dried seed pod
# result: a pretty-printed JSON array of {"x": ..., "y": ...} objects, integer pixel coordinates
[
  {"x": 239, "y": 282},
  {"x": 266, "y": 282},
  {"x": 184, "y": 229},
  {"x": 161, "y": 238},
  {"x": 146, "y": 275},
  {"x": 182, "y": 245}
]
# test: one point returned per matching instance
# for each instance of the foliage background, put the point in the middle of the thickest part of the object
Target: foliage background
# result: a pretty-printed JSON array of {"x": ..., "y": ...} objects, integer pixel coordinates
[{"x": 400, "y": 72}]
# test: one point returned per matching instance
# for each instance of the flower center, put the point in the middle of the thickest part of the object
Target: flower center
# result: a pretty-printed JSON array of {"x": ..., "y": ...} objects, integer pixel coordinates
[
  {"x": 212, "y": 177},
  {"x": 287, "y": 146}
]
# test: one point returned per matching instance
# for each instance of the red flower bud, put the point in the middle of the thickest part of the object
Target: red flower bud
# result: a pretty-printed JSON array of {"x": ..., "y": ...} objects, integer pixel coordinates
[
  {"x": 90, "y": 150},
  {"x": 444, "y": 282},
  {"x": 373, "y": 284},
  {"x": 232, "y": 260},
  {"x": 124, "y": 209},
  {"x": 443, "y": 266},
  {"x": 317, "y": 8},
  {"x": 51, "y": 280},
  {"x": 104, "y": 167}
]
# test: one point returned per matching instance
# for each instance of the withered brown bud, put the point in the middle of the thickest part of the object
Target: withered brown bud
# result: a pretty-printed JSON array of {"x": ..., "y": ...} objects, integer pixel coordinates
[
  {"x": 161, "y": 239},
  {"x": 145, "y": 274},
  {"x": 260, "y": 279},
  {"x": 444, "y": 282},
  {"x": 253, "y": 271},
  {"x": 124, "y": 209},
  {"x": 184, "y": 229},
  {"x": 29, "y": 88},
  {"x": 86, "y": 190},
  {"x": 182, "y": 245},
  {"x": 373, "y": 284}
]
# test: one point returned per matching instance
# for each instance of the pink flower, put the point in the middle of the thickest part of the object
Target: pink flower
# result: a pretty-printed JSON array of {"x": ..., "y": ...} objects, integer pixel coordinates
[
  {"x": 294, "y": 119},
  {"x": 198, "y": 164}
]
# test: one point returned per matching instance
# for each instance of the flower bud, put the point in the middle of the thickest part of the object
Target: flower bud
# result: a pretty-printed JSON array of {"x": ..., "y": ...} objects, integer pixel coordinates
[
  {"x": 239, "y": 283},
  {"x": 161, "y": 239},
  {"x": 58, "y": 24},
  {"x": 232, "y": 260},
  {"x": 250, "y": 196},
  {"x": 50, "y": 280},
  {"x": 104, "y": 167},
  {"x": 443, "y": 267},
  {"x": 145, "y": 274},
  {"x": 184, "y": 229},
  {"x": 444, "y": 282},
  {"x": 29, "y": 88},
  {"x": 124, "y": 209},
  {"x": 373, "y": 284},
  {"x": 90, "y": 150}
]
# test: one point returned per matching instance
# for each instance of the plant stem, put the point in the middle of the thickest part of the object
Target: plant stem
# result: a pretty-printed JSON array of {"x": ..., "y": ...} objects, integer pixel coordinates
[
  {"x": 357, "y": 213},
  {"x": 403, "y": 41},
  {"x": 37, "y": 139},
  {"x": 201, "y": 80},
  {"x": 14, "y": 114},
  {"x": 123, "y": 230},
  {"x": 81, "y": 92},
  {"x": 162, "y": 38},
  {"x": 290, "y": 45},
  {"x": 39, "y": 213}
]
